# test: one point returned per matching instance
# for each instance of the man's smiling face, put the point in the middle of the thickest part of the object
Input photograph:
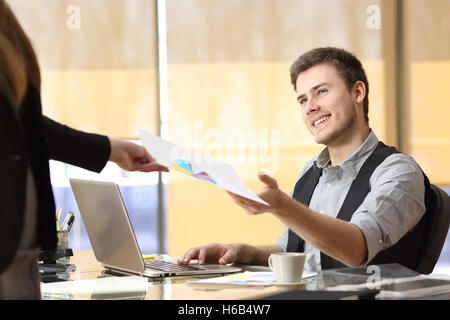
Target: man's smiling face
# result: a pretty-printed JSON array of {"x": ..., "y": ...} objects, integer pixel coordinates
[{"x": 328, "y": 110}]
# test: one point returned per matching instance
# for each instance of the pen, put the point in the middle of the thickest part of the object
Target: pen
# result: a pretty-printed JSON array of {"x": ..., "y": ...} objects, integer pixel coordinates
[
  {"x": 58, "y": 215},
  {"x": 70, "y": 223},
  {"x": 67, "y": 220}
]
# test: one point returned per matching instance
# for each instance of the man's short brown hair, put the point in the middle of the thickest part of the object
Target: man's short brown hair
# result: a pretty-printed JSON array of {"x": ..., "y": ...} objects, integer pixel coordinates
[{"x": 347, "y": 65}]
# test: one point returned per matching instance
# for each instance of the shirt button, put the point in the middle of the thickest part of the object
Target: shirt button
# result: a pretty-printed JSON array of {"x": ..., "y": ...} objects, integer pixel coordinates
[
  {"x": 380, "y": 242},
  {"x": 329, "y": 185}
]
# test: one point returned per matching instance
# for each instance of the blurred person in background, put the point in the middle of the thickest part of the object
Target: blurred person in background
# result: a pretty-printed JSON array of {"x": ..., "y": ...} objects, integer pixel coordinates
[{"x": 28, "y": 141}]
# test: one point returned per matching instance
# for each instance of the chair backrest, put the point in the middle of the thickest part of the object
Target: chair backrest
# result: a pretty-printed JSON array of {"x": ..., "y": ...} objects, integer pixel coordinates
[{"x": 436, "y": 230}]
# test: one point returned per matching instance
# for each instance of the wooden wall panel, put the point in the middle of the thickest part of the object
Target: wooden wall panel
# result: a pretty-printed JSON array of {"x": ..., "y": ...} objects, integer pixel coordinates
[{"x": 427, "y": 90}]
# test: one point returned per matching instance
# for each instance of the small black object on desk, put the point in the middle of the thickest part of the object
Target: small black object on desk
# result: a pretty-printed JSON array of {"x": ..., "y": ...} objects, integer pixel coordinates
[{"x": 50, "y": 263}]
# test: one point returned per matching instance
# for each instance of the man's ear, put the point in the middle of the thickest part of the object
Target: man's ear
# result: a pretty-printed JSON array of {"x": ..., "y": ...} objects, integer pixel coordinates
[{"x": 359, "y": 91}]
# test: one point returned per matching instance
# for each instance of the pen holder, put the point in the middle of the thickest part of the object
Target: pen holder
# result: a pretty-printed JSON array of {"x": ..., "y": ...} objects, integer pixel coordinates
[{"x": 63, "y": 243}]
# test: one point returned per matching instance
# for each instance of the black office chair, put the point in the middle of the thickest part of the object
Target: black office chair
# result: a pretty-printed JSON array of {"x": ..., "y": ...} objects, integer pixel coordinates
[{"x": 436, "y": 231}]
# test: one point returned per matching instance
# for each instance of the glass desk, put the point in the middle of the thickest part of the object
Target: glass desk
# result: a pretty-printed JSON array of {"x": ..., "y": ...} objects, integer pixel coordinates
[{"x": 91, "y": 281}]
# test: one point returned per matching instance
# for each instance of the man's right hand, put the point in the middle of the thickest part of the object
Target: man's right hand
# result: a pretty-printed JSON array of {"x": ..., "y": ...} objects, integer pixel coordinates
[{"x": 211, "y": 253}]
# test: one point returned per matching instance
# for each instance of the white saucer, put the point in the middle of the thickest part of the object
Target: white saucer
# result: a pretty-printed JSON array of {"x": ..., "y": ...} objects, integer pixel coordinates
[
  {"x": 287, "y": 286},
  {"x": 274, "y": 282}
]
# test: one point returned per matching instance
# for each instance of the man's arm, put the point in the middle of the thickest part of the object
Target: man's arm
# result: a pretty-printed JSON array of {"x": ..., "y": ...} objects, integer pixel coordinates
[
  {"x": 339, "y": 239},
  {"x": 229, "y": 253},
  {"x": 256, "y": 255}
]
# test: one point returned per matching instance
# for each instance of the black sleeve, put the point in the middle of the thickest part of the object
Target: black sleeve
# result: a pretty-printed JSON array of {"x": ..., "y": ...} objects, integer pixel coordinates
[{"x": 86, "y": 150}]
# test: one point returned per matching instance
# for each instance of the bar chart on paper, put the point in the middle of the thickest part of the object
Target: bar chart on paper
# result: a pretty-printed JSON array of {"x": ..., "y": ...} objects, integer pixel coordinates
[
  {"x": 198, "y": 165},
  {"x": 189, "y": 168}
]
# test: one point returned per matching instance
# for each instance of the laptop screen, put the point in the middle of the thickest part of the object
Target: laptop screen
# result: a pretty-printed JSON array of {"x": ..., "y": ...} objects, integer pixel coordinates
[{"x": 107, "y": 224}]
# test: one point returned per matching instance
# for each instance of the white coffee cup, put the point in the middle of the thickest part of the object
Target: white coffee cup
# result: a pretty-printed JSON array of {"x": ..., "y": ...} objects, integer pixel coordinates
[{"x": 287, "y": 266}]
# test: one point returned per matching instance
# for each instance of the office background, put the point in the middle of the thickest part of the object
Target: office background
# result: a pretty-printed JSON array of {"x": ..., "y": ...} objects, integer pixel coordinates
[{"x": 213, "y": 75}]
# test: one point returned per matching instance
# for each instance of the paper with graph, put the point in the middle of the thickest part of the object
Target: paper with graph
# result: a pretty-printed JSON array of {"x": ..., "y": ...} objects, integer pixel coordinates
[{"x": 196, "y": 165}]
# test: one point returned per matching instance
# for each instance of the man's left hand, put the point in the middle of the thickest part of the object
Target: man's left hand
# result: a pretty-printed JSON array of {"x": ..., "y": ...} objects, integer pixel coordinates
[{"x": 269, "y": 193}]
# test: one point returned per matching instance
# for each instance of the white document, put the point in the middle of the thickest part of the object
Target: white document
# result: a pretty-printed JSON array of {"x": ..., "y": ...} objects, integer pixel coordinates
[
  {"x": 126, "y": 287},
  {"x": 197, "y": 165},
  {"x": 247, "y": 278}
]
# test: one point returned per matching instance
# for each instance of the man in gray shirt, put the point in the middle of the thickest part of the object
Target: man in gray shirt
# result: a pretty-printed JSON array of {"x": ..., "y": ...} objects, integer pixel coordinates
[{"x": 332, "y": 91}]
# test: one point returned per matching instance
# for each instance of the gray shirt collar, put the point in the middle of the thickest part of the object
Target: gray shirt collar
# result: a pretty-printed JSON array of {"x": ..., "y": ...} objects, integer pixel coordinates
[{"x": 354, "y": 162}]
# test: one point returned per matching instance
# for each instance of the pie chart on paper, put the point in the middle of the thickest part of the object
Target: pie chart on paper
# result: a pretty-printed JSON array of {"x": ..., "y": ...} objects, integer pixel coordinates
[{"x": 192, "y": 170}]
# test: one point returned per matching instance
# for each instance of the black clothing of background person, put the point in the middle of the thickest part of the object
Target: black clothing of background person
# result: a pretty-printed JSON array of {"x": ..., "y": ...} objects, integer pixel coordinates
[{"x": 30, "y": 139}]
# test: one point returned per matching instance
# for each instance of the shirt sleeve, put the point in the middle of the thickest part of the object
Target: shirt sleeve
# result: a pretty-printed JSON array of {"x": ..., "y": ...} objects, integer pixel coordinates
[{"x": 394, "y": 205}]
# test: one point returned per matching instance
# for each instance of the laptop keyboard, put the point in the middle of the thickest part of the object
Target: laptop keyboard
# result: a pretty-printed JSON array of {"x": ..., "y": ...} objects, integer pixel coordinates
[{"x": 169, "y": 267}]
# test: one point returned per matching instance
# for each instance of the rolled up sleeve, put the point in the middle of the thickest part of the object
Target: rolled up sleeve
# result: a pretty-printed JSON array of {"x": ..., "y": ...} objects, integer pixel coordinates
[{"x": 394, "y": 205}]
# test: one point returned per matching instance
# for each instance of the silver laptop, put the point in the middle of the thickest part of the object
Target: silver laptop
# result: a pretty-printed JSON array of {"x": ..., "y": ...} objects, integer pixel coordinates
[{"x": 112, "y": 237}]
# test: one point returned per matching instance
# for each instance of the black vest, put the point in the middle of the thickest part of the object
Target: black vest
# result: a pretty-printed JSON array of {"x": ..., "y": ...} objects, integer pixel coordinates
[{"x": 405, "y": 252}]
